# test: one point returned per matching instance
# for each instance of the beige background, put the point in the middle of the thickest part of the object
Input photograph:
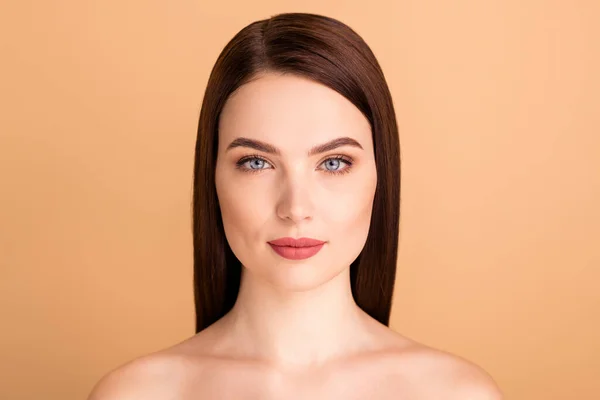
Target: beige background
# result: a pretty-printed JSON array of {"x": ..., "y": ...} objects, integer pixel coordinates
[{"x": 498, "y": 104}]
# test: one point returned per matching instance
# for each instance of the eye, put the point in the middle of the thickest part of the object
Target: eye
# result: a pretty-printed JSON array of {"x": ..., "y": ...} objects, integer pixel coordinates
[
  {"x": 335, "y": 163},
  {"x": 256, "y": 163}
]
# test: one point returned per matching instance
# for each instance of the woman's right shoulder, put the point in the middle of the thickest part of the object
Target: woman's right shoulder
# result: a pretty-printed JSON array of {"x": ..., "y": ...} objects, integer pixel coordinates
[
  {"x": 148, "y": 377},
  {"x": 158, "y": 375}
]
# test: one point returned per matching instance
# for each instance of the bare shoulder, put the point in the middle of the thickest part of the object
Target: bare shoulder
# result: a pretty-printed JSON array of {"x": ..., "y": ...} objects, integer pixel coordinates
[
  {"x": 160, "y": 375},
  {"x": 439, "y": 374},
  {"x": 462, "y": 379},
  {"x": 169, "y": 373}
]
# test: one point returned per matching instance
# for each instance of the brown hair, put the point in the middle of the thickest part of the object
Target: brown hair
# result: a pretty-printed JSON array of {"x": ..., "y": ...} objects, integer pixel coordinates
[{"x": 331, "y": 53}]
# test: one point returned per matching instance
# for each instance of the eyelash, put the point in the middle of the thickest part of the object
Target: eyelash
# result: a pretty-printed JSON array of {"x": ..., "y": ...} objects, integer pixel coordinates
[{"x": 242, "y": 161}]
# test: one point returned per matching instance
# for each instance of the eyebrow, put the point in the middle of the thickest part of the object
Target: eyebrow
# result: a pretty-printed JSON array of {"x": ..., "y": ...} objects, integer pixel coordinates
[{"x": 269, "y": 148}]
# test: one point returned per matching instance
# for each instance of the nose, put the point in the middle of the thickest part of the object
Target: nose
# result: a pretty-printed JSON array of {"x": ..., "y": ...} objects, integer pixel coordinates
[{"x": 295, "y": 202}]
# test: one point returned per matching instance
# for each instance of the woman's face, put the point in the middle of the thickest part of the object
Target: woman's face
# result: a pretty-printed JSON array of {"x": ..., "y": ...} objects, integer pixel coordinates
[{"x": 290, "y": 191}]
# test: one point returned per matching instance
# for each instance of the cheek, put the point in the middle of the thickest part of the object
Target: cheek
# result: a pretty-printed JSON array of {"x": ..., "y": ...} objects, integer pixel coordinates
[
  {"x": 348, "y": 218},
  {"x": 350, "y": 206},
  {"x": 243, "y": 210}
]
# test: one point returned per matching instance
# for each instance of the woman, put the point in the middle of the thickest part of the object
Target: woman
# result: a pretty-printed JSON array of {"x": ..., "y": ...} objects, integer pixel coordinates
[{"x": 296, "y": 215}]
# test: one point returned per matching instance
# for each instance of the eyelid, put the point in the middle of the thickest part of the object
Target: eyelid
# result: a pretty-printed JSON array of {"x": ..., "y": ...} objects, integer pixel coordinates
[{"x": 249, "y": 157}]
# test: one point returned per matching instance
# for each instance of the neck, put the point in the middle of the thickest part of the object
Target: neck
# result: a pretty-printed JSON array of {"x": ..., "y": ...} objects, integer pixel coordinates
[{"x": 297, "y": 328}]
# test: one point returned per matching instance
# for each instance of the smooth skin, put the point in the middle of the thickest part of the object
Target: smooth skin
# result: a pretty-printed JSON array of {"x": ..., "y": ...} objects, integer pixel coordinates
[{"x": 295, "y": 331}]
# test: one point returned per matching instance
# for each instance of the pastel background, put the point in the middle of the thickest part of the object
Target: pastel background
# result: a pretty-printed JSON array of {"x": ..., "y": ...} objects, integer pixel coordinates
[{"x": 498, "y": 105}]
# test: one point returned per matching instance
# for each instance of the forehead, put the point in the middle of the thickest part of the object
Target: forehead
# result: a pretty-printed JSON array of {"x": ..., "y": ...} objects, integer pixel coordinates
[{"x": 291, "y": 112}]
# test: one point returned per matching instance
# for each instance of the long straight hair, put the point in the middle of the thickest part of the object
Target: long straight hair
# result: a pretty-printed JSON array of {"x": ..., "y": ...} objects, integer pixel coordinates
[{"x": 331, "y": 53}]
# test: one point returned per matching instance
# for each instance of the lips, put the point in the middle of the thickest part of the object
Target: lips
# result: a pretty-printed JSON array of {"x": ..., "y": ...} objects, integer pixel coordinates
[
  {"x": 300, "y": 242},
  {"x": 296, "y": 249}
]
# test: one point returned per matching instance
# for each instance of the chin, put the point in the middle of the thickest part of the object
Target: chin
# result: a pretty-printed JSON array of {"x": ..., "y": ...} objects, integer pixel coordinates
[{"x": 300, "y": 277}]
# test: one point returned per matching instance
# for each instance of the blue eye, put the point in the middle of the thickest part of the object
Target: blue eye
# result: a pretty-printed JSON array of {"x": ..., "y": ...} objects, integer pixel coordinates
[
  {"x": 334, "y": 163},
  {"x": 257, "y": 163}
]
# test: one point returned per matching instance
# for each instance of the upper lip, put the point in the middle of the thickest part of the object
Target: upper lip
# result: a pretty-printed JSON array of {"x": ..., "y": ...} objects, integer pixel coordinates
[{"x": 300, "y": 242}]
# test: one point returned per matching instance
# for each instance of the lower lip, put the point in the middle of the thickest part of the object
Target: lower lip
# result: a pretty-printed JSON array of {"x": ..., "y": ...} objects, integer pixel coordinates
[{"x": 296, "y": 253}]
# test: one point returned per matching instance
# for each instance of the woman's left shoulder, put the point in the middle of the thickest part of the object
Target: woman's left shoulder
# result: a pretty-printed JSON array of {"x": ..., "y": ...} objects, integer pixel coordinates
[{"x": 442, "y": 374}]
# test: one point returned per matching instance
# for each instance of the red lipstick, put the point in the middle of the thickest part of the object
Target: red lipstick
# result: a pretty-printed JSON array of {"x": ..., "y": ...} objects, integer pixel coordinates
[{"x": 296, "y": 249}]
